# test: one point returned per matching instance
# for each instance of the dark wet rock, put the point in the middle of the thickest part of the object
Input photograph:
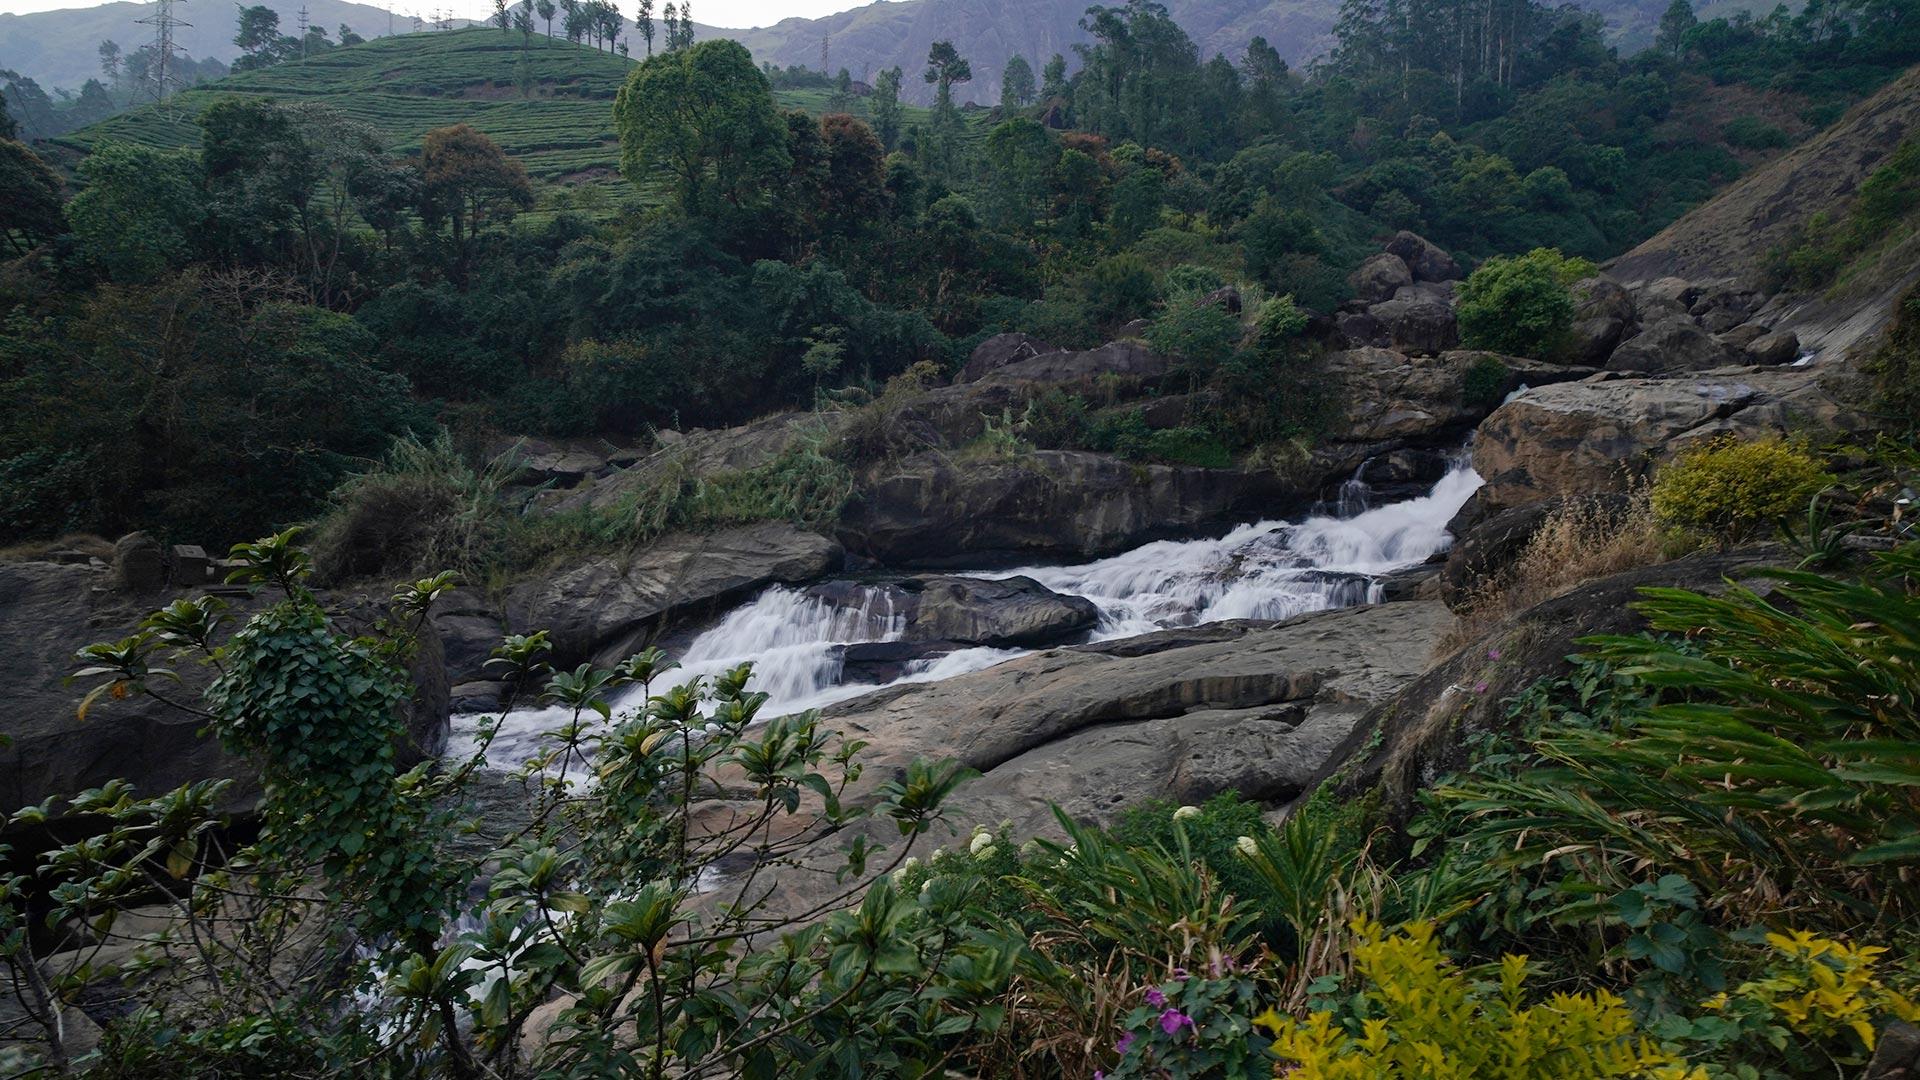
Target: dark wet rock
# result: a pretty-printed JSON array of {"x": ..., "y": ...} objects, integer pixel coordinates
[{"x": 997, "y": 352}]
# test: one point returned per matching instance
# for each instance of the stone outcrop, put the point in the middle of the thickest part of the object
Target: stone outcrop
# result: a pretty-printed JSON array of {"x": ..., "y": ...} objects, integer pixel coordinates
[
  {"x": 1379, "y": 277},
  {"x": 1424, "y": 730},
  {"x": 1389, "y": 396},
  {"x": 1671, "y": 345},
  {"x": 997, "y": 352},
  {"x": 1424, "y": 259},
  {"x": 949, "y": 612},
  {"x": 1601, "y": 433},
  {"x": 1418, "y": 321},
  {"x": 1484, "y": 550},
  {"x": 614, "y": 603},
  {"x": 1184, "y": 714},
  {"x": 1125, "y": 358},
  {"x": 1782, "y": 347},
  {"x": 929, "y": 509}
]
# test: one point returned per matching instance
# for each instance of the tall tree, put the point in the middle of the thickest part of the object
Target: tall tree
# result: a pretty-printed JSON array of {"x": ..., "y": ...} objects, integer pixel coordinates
[
  {"x": 500, "y": 17},
  {"x": 705, "y": 117},
  {"x": 468, "y": 182},
  {"x": 1016, "y": 83},
  {"x": 945, "y": 66},
  {"x": 644, "y": 20},
  {"x": 1674, "y": 24},
  {"x": 110, "y": 59},
  {"x": 1053, "y": 79},
  {"x": 884, "y": 106},
  {"x": 547, "y": 10}
]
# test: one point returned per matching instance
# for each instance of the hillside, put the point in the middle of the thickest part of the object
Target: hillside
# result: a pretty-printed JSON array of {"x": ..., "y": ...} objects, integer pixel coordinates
[
  {"x": 61, "y": 48},
  {"x": 1743, "y": 233},
  {"x": 409, "y": 84}
]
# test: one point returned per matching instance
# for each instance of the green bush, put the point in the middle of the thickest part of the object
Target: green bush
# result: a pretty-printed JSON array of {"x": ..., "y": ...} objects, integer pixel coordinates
[
  {"x": 1753, "y": 133},
  {"x": 1486, "y": 383},
  {"x": 1521, "y": 305},
  {"x": 1893, "y": 370},
  {"x": 1728, "y": 489}
]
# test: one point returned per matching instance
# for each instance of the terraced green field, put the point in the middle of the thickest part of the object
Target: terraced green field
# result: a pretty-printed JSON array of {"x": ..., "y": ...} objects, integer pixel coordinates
[{"x": 407, "y": 85}]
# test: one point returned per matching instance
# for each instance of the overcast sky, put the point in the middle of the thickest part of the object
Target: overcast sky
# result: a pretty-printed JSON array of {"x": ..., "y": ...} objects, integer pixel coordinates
[{"x": 712, "y": 12}]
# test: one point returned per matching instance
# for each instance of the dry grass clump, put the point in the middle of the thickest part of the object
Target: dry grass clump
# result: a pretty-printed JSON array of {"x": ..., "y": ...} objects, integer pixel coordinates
[
  {"x": 28, "y": 551},
  {"x": 1580, "y": 540}
]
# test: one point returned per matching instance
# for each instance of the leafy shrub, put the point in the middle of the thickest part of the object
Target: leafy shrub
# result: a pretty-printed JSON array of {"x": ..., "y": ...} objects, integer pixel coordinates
[
  {"x": 1769, "y": 741},
  {"x": 1424, "y": 1017},
  {"x": 1055, "y": 419},
  {"x": 1520, "y": 305},
  {"x": 1197, "y": 335},
  {"x": 1814, "y": 1009},
  {"x": 1120, "y": 287},
  {"x": 1753, "y": 133},
  {"x": 1486, "y": 383},
  {"x": 424, "y": 507},
  {"x": 1728, "y": 490}
]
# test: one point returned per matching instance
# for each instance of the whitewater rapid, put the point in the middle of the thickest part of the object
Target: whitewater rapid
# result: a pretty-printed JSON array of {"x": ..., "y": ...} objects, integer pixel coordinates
[{"x": 1263, "y": 570}]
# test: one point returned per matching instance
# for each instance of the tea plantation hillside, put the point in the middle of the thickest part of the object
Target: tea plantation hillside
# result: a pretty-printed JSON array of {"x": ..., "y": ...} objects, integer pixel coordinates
[{"x": 560, "y": 124}]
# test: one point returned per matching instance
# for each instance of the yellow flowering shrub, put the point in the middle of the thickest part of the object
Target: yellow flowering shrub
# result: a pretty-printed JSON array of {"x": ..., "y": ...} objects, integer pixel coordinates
[
  {"x": 1426, "y": 1020},
  {"x": 1729, "y": 490},
  {"x": 1822, "y": 989}
]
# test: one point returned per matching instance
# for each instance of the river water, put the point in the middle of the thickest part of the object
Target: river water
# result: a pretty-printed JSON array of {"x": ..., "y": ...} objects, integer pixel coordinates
[{"x": 1262, "y": 570}]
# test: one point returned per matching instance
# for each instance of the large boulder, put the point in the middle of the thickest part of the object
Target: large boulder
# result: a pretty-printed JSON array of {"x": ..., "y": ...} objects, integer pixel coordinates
[
  {"x": 1601, "y": 297},
  {"x": 1601, "y": 434},
  {"x": 933, "y": 509},
  {"x": 1424, "y": 259},
  {"x": 1127, "y": 358},
  {"x": 1379, "y": 277},
  {"x": 1417, "y": 322},
  {"x": 49, "y": 611},
  {"x": 1008, "y": 612},
  {"x": 997, "y": 352},
  {"x": 614, "y": 602},
  {"x": 1673, "y": 344},
  {"x": 1593, "y": 340},
  {"x": 1781, "y": 347},
  {"x": 939, "y": 610},
  {"x": 1390, "y": 396}
]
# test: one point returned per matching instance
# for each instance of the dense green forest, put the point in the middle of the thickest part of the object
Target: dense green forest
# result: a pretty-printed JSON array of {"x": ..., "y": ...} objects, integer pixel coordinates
[{"x": 178, "y": 308}]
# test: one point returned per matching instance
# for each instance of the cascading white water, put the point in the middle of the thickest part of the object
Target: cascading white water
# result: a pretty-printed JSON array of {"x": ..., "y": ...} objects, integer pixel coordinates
[{"x": 1267, "y": 570}]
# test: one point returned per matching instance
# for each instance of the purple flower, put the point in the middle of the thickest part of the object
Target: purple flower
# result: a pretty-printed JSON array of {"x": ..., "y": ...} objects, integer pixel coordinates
[
  {"x": 1173, "y": 1020},
  {"x": 1098, "y": 1075},
  {"x": 1155, "y": 998},
  {"x": 1180, "y": 973},
  {"x": 1493, "y": 654},
  {"x": 1126, "y": 1041},
  {"x": 1479, "y": 688}
]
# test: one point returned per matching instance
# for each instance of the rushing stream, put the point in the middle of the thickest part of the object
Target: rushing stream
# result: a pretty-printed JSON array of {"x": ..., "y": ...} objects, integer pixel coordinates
[{"x": 1265, "y": 570}]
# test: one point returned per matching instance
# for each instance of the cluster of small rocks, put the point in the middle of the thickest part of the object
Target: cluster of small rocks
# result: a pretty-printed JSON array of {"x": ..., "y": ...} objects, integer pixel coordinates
[{"x": 1671, "y": 325}]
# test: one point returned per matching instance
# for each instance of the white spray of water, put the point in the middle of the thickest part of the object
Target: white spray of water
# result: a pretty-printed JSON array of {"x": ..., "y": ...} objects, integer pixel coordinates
[{"x": 1267, "y": 570}]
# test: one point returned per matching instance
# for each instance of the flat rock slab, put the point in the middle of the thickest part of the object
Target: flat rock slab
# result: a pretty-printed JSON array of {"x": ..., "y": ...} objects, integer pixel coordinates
[
  {"x": 1184, "y": 714},
  {"x": 605, "y": 602}
]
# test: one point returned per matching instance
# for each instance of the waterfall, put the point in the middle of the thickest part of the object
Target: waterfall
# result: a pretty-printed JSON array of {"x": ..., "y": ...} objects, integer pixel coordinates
[{"x": 1265, "y": 570}]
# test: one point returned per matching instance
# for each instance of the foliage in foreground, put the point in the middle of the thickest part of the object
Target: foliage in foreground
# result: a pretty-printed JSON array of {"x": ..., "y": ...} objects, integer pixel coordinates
[{"x": 1701, "y": 844}]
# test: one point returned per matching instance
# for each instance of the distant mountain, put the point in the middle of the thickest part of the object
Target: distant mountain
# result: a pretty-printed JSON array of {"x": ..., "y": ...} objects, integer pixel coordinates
[
  {"x": 870, "y": 39},
  {"x": 880, "y": 35},
  {"x": 61, "y": 48}
]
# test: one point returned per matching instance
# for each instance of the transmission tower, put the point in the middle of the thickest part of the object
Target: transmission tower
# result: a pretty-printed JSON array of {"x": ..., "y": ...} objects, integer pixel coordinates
[
  {"x": 303, "y": 31},
  {"x": 164, "y": 23},
  {"x": 824, "y": 40}
]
